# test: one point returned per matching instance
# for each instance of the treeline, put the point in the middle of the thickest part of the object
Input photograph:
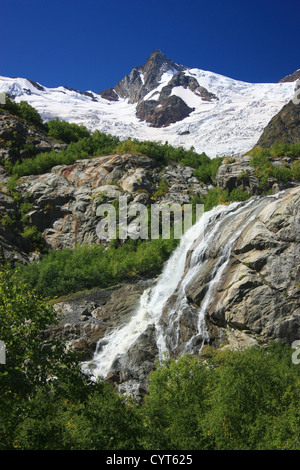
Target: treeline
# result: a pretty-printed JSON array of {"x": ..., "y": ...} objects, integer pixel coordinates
[
  {"x": 86, "y": 147},
  {"x": 221, "y": 400}
]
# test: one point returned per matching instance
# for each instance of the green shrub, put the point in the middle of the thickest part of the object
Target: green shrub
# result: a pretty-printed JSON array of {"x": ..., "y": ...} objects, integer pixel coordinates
[
  {"x": 261, "y": 160},
  {"x": 96, "y": 144},
  {"x": 86, "y": 267},
  {"x": 23, "y": 110},
  {"x": 65, "y": 131},
  {"x": 205, "y": 168},
  {"x": 216, "y": 196}
]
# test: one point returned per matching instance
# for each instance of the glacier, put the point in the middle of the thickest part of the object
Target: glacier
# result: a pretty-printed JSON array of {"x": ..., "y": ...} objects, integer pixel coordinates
[{"x": 230, "y": 125}]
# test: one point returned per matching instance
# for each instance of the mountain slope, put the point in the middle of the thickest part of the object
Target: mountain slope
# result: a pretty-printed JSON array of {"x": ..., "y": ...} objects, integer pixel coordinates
[
  {"x": 165, "y": 101},
  {"x": 284, "y": 127}
]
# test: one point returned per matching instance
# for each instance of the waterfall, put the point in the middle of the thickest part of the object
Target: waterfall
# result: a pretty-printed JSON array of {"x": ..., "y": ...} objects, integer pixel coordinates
[{"x": 173, "y": 280}]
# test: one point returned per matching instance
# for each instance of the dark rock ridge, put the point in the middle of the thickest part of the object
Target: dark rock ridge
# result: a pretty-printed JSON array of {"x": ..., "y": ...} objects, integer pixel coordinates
[
  {"x": 167, "y": 108},
  {"x": 284, "y": 127},
  {"x": 291, "y": 78},
  {"x": 164, "y": 112},
  {"x": 145, "y": 78},
  {"x": 84, "y": 93}
]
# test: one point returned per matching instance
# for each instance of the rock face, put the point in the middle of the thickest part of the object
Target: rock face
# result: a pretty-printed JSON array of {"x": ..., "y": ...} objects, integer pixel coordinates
[
  {"x": 13, "y": 246},
  {"x": 85, "y": 318},
  {"x": 237, "y": 172},
  {"x": 162, "y": 113},
  {"x": 19, "y": 140},
  {"x": 64, "y": 203},
  {"x": 284, "y": 127},
  {"x": 145, "y": 78},
  {"x": 257, "y": 296}
]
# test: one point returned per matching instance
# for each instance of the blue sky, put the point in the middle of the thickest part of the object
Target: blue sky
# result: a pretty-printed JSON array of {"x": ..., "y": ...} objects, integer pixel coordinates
[{"x": 92, "y": 44}]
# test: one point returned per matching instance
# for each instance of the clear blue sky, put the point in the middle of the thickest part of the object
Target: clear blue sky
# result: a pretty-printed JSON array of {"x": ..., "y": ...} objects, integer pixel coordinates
[{"x": 92, "y": 44}]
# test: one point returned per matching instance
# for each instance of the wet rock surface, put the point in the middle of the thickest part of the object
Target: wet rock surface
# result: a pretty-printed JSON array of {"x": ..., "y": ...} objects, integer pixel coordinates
[{"x": 85, "y": 318}]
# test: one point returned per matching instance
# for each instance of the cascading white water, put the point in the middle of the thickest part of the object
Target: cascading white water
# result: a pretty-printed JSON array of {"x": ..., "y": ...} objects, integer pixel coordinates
[
  {"x": 198, "y": 237},
  {"x": 198, "y": 256}
]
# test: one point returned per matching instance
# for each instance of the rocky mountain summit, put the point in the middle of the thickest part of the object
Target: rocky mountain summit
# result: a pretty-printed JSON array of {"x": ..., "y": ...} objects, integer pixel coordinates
[
  {"x": 143, "y": 79},
  {"x": 155, "y": 102}
]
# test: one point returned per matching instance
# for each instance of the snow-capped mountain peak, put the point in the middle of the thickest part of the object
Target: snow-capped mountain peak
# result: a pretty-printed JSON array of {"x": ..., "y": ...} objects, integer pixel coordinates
[{"x": 166, "y": 101}]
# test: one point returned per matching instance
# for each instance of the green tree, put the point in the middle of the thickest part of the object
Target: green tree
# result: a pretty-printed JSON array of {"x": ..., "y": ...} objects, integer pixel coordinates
[
  {"x": 30, "y": 114},
  {"x": 225, "y": 400},
  {"x": 176, "y": 405},
  {"x": 252, "y": 392},
  {"x": 31, "y": 359}
]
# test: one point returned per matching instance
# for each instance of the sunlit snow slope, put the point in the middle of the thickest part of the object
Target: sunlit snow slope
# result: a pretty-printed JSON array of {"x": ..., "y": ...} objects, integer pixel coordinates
[{"x": 231, "y": 124}]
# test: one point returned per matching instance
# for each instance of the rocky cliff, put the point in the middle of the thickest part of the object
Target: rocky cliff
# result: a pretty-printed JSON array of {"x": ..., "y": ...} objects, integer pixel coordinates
[{"x": 63, "y": 204}]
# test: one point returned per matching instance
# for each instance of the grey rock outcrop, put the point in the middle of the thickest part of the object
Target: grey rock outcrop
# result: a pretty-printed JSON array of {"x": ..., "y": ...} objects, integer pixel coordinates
[
  {"x": 64, "y": 203},
  {"x": 236, "y": 172}
]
